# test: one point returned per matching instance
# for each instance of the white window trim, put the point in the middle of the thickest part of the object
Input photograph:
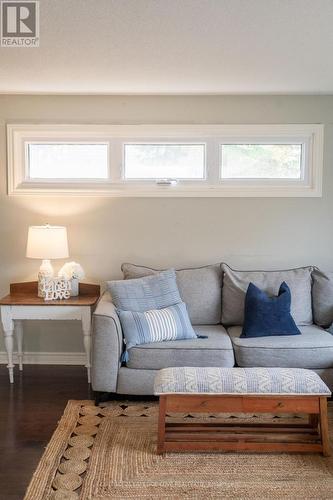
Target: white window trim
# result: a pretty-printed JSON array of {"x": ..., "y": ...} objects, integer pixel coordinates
[{"x": 310, "y": 135}]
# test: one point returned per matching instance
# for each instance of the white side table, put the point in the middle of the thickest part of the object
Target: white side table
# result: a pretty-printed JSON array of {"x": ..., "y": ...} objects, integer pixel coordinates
[{"x": 23, "y": 303}]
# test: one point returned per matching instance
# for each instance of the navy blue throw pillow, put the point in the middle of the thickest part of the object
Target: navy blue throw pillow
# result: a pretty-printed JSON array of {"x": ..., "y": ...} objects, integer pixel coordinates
[{"x": 267, "y": 316}]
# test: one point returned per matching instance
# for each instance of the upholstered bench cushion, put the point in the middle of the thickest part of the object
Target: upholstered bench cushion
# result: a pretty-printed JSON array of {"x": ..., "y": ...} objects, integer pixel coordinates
[{"x": 195, "y": 380}]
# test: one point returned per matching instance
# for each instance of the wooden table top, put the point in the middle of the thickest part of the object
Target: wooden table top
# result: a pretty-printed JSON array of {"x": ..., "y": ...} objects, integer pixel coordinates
[{"x": 26, "y": 294}]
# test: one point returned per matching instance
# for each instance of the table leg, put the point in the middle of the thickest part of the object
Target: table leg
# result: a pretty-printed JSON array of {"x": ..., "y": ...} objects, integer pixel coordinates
[
  {"x": 19, "y": 340},
  {"x": 325, "y": 439},
  {"x": 9, "y": 342},
  {"x": 86, "y": 330},
  {"x": 8, "y": 330},
  {"x": 161, "y": 424}
]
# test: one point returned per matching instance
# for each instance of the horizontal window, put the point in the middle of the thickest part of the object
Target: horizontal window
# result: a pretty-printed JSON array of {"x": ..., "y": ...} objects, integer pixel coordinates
[
  {"x": 158, "y": 161},
  {"x": 165, "y": 160},
  {"x": 261, "y": 161},
  {"x": 67, "y": 161}
]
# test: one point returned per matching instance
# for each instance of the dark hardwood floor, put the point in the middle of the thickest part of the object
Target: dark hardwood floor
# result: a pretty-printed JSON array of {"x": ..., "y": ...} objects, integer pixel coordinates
[{"x": 29, "y": 411}]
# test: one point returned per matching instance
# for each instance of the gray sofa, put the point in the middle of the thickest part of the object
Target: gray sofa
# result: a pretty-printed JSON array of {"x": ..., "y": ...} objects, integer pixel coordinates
[{"x": 215, "y": 301}]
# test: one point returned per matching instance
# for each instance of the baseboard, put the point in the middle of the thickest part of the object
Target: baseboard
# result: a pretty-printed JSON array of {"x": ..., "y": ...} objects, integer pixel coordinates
[{"x": 48, "y": 358}]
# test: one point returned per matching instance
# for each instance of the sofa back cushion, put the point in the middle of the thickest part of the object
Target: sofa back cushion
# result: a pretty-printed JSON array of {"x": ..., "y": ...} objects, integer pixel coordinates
[
  {"x": 322, "y": 297},
  {"x": 199, "y": 288},
  {"x": 235, "y": 284}
]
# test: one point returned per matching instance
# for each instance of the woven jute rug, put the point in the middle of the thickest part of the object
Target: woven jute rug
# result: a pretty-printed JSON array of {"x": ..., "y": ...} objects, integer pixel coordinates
[{"x": 109, "y": 452}]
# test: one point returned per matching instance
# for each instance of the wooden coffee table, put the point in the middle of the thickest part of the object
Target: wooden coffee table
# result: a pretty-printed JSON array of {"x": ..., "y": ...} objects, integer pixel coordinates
[
  {"x": 311, "y": 436},
  {"x": 242, "y": 390},
  {"x": 23, "y": 303}
]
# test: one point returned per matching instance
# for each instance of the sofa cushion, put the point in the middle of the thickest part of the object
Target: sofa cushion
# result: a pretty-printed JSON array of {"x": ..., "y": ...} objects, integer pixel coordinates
[
  {"x": 312, "y": 349},
  {"x": 322, "y": 297},
  {"x": 144, "y": 294},
  {"x": 199, "y": 288},
  {"x": 235, "y": 284},
  {"x": 215, "y": 350}
]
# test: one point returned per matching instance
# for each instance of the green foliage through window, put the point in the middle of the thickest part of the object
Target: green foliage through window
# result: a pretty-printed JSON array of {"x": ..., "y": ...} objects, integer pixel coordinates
[{"x": 261, "y": 161}]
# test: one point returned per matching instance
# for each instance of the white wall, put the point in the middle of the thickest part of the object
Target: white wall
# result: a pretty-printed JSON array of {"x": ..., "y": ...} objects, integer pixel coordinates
[{"x": 246, "y": 233}]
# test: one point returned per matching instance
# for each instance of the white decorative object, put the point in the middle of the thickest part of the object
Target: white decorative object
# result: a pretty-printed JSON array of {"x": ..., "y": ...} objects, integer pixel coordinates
[
  {"x": 46, "y": 242},
  {"x": 74, "y": 272},
  {"x": 42, "y": 278},
  {"x": 54, "y": 288},
  {"x": 74, "y": 287}
]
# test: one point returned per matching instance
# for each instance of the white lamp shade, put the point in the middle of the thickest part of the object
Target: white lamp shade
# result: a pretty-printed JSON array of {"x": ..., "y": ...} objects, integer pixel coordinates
[{"x": 47, "y": 242}]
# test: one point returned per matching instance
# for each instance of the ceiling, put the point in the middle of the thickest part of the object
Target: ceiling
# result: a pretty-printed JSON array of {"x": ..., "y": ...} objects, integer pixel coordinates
[{"x": 176, "y": 47}]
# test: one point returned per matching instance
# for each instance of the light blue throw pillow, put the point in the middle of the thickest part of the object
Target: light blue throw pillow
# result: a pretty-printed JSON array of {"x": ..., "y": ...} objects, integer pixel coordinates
[
  {"x": 143, "y": 294},
  {"x": 157, "y": 325}
]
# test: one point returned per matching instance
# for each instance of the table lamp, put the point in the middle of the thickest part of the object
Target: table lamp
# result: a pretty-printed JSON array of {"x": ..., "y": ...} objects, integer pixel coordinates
[{"x": 46, "y": 243}]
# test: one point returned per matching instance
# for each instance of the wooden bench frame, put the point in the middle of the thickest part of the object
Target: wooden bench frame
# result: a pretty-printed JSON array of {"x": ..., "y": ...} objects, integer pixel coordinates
[{"x": 309, "y": 437}]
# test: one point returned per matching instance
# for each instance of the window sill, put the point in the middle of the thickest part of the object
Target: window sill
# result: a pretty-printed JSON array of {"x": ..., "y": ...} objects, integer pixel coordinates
[{"x": 251, "y": 191}]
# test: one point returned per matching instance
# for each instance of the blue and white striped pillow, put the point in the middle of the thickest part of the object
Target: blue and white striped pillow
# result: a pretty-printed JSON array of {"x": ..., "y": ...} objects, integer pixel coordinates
[
  {"x": 143, "y": 294},
  {"x": 156, "y": 325}
]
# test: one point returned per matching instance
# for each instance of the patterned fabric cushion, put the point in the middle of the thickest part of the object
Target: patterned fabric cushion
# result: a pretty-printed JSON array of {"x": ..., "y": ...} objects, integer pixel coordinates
[
  {"x": 239, "y": 381},
  {"x": 143, "y": 294},
  {"x": 171, "y": 323}
]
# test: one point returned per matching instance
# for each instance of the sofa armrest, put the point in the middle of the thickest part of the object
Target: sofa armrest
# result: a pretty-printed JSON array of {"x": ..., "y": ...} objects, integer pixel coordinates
[{"x": 107, "y": 346}]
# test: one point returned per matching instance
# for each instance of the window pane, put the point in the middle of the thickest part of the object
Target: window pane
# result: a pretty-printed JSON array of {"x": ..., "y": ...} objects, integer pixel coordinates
[
  {"x": 261, "y": 161},
  {"x": 157, "y": 161},
  {"x": 68, "y": 161}
]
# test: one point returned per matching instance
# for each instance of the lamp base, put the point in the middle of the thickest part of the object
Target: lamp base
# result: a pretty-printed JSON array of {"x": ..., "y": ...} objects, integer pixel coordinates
[
  {"x": 45, "y": 271},
  {"x": 46, "y": 268}
]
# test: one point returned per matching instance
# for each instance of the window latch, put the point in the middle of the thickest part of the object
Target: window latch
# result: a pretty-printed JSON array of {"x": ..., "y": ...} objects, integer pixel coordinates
[{"x": 166, "y": 182}]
